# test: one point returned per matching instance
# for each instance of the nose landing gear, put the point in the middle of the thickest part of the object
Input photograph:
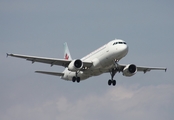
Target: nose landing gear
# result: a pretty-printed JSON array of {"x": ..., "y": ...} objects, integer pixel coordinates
[{"x": 112, "y": 81}]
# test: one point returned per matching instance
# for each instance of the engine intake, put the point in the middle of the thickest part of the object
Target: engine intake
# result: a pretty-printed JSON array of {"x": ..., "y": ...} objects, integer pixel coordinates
[
  {"x": 130, "y": 70},
  {"x": 75, "y": 65}
]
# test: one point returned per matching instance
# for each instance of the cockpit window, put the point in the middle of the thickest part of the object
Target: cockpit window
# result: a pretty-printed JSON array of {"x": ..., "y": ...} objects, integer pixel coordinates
[
  {"x": 119, "y": 43},
  {"x": 115, "y": 43}
]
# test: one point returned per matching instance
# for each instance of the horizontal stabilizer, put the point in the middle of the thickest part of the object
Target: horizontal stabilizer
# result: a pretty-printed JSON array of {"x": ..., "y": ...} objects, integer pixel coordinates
[{"x": 50, "y": 73}]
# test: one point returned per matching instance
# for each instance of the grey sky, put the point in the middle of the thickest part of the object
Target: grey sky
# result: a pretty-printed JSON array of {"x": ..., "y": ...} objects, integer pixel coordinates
[{"x": 40, "y": 28}]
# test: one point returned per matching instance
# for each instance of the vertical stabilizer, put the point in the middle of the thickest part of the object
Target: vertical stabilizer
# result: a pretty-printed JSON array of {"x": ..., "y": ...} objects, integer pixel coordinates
[{"x": 67, "y": 55}]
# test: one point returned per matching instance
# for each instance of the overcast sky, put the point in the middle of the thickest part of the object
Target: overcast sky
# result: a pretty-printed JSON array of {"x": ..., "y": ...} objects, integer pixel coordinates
[{"x": 37, "y": 27}]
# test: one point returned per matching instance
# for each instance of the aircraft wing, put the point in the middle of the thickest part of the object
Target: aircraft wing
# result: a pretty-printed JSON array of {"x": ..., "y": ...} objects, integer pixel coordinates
[
  {"x": 143, "y": 68},
  {"x": 50, "y": 73},
  {"x": 51, "y": 61}
]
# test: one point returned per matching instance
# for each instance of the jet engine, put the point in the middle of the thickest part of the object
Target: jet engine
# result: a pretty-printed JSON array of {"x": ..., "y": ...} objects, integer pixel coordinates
[
  {"x": 75, "y": 65},
  {"x": 129, "y": 70}
]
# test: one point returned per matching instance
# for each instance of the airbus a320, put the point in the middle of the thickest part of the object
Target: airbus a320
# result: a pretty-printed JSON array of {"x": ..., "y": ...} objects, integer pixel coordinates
[{"x": 103, "y": 60}]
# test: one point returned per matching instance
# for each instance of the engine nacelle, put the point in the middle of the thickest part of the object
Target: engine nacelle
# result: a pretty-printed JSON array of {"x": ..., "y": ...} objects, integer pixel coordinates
[
  {"x": 75, "y": 65},
  {"x": 130, "y": 70}
]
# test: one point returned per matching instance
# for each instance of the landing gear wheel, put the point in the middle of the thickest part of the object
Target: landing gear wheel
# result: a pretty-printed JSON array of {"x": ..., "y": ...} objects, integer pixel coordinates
[
  {"x": 78, "y": 79},
  {"x": 114, "y": 82},
  {"x": 74, "y": 79},
  {"x": 109, "y": 82}
]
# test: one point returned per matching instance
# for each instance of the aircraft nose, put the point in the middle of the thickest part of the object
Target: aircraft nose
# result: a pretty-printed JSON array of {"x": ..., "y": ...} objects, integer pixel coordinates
[{"x": 124, "y": 49}]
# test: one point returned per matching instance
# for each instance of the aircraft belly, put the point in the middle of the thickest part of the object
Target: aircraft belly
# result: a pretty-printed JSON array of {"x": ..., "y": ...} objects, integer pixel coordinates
[
  {"x": 68, "y": 75},
  {"x": 84, "y": 75},
  {"x": 95, "y": 72},
  {"x": 106, "y": 62}
]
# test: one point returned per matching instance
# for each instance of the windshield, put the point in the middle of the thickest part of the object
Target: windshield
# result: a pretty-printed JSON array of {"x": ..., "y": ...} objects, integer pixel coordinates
[{"x": 119, "y": 43}]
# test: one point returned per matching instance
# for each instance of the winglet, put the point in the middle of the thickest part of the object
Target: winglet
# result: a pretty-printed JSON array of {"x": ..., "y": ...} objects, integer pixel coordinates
[
  {"x": 165, "y": 69},
  {"x": 7, "y": 54}
]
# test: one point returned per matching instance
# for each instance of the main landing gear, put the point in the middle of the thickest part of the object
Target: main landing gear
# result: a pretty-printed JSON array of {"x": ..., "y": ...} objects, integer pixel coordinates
[
  {"x": 112, "y": 81},
  {"x": 76, "y": 78}
]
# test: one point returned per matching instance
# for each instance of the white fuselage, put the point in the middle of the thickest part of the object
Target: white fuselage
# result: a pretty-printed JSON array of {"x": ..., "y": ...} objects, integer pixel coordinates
[{"x": 103, "y": 59}]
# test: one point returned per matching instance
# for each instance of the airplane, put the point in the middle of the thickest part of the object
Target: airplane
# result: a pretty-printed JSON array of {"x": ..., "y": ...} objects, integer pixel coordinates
[{"x": 103, "y": 60}]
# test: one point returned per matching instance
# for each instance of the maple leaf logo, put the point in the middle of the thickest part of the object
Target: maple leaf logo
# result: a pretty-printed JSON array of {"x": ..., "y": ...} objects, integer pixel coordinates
[{"x": 66, "y": 57}]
